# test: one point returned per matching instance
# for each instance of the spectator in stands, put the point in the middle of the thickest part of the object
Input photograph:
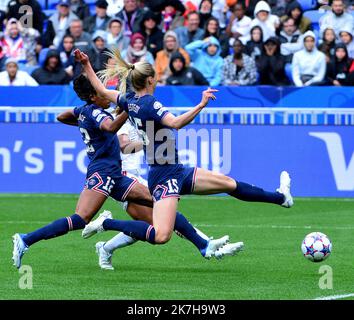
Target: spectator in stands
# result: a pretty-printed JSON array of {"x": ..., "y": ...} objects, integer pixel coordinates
[
  {"x": 51, "y": 72},
  {"x": 212, "y": 28},
  {"x": 327, "y": 43},
  {"x": 172, "y": 15},
  {"x": 171, "y": 45},
  {"x": 114, "y": 6},
  {"x": 264, "y": 19},
  {"x": 14, "y": 11},
  {"x": 239, "y": 25},
  {"x": 61, "y": 20},
  {"x": 337, "y": 18},
  {"x": 100, "y": 20},
  {"x": 239, "y": 68},
  {"x": 221, "y": 12},
  {"x": 67, "y": 58},
  {"x": 205, "y": 56},
  {"x": 290, "y": 38},
  {"x": 255, "y": 45},
  {"x": 115, "y": 35},
  {"x": 346, "y": 36},
  {"x": 3, "y": 10},
  {"x": 338, "y": 73},
  {"x": 191, "y": 32},
  {"x": 100, "y": 51},
  {"x": 271, "y": 64},
  {"x": 82, "y": 39},
  {"x": 309, "y": 64},
  {"x": 132, "y": 15},
  {"x": 80, "y": 9},
  {"x": 137, "y": 50},
  {"x": 205, "y": 10},
  {"x": 183, "y": 75},
  {"x": 14, "y": 77},
  {"x": 294, "y": 10},
  {"x": 151, "y": 32}
]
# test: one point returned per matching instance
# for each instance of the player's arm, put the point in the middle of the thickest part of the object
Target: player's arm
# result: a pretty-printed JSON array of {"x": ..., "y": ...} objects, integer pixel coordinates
[
  {"x": 127, "y": 146},
  {"x": 68, "y": 117},
  {"x": 111, "y": 95},
  {"x": 179, "y": 122},
  {"x": 114, "y": 125}
]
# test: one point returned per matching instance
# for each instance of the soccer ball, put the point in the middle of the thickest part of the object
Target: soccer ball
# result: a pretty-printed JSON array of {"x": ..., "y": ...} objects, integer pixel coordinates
[{"x": 316, "y": 247}]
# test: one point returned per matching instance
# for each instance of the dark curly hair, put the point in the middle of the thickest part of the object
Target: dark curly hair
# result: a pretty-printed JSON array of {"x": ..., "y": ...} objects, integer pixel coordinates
[{"x": 84, "y": 88}]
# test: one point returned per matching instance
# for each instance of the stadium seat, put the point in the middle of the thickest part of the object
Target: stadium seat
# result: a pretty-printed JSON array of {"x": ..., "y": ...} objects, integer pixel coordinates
[
  {"x": 49, "y": 12},
  {"x": 26, "y": 68},
  {"x": 314, "y": 16},
  {"x": 288, "y": 72},
  {"x": 43, "y": 4},
  {"x": 307, "y": 4}
]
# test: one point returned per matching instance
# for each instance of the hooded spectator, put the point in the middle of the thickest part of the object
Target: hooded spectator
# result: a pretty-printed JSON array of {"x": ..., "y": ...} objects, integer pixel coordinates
[
  {"x": 337, "y": 19},
  {"x": 132, "y": 15},
  {"x": 309, "y": 64},
  {"x": 14, "y": 11},
  {"x": 327, "y": 43},
  {"x": 171, "y": 45},
  {"x": 212, "y": 28},
  {"x": 14, "y": 77},
  {"x": 338, "y": 73},
  {"x": 255, "y": 45},
  {"x": 137, "y": 50},
  {"x": 239, "y": 68},
  {"x": 239, "y": 24},
  {"x": 346, "y": 36},
  {"x": 183, "y": 75},
  {"x": 100, "y": 51},
  {"x": 51, "y": 71},
  {"x": 295, "y": 11},
  {"x": 205, "y": 56},
  {"x": 115, "y": 35},
  {"x": 263, "y": 18},
  {"x": 100, "y": 20},
  {"x": 191, "y": 32},
  {"x": 271, "y": 64},
  {"x": 80, "y": 8},
  {"x": 205, "y": 12},
  {"x": 151, "y": 32},
  {"x": 290, "y": 39}
]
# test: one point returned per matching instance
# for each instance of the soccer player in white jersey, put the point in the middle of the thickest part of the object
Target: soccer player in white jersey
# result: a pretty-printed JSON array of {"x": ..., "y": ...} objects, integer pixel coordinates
[{"x": 131, "y": 154}]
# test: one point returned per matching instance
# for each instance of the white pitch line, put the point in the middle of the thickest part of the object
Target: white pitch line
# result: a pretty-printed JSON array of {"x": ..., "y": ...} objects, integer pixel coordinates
[{"x": 336, "y": 297}]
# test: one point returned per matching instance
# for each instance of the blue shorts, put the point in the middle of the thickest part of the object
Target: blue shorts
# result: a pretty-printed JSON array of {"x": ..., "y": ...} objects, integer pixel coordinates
[
  {"x": 171, "y": 181},
  {"x": 117, "y": 186}
]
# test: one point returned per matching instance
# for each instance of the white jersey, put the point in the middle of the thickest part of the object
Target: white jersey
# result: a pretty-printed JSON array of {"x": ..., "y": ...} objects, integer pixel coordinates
[{"x": 131, "y": 162}]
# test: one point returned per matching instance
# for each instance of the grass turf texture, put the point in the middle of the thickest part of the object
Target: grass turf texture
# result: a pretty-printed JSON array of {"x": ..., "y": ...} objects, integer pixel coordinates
[{"x": 271, "y": 267}]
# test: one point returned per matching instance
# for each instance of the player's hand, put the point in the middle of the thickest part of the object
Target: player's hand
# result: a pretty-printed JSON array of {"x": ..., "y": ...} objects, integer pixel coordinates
[
  {"x": 81, "y": 57},
  {"x": 207, "y": 95}
]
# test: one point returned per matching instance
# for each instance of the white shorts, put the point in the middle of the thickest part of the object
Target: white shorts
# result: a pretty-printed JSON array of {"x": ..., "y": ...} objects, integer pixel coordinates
[{"x": 134, "y": 175}]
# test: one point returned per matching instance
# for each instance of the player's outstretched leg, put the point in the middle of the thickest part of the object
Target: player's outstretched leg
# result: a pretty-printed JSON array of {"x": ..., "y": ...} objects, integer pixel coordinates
[{"x": 208, "y": 182}]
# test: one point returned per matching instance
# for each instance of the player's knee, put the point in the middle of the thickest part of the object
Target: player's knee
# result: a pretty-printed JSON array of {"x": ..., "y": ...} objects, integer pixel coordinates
[
  {"x": 229, "y": 183},
  {"x": 162, "y": 237}
]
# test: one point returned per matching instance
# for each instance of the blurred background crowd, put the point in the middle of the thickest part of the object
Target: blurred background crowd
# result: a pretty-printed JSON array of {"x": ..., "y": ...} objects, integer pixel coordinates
[{"x": 190, "y": 42}]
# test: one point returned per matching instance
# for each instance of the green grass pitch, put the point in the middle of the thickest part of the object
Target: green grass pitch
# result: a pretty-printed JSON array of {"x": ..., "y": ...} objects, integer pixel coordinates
[{"x": 270, "y": 267}]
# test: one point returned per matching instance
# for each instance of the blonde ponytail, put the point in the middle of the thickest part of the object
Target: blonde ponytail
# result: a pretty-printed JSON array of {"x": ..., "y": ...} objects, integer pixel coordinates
[{"x": 138, "y": 72}]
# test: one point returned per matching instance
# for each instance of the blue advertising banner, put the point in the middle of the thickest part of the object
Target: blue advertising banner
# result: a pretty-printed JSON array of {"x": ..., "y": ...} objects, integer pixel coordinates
[{"x": 46, "y": 158}]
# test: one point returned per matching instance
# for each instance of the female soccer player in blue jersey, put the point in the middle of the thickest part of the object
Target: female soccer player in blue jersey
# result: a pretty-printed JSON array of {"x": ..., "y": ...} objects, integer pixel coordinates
[
  {"x": 167, "y": 178},
  {"x": 104, "y": 178}
]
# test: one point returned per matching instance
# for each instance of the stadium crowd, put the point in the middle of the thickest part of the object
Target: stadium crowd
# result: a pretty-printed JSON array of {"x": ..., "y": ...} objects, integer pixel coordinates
[{"x": 190, "y": 42}]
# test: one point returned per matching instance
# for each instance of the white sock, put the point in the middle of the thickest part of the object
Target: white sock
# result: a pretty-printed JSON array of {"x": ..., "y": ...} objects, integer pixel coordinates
[{"x": 121, "y": 240}]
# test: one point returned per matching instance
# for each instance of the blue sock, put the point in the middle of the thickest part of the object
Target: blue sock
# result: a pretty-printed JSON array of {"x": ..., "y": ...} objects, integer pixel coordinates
[
  {"x": 55, "y": 229},
  {"x": 247, "y": 192},
  {"x": 139, "y": 230},
  {"x": 183, "y": 226}
]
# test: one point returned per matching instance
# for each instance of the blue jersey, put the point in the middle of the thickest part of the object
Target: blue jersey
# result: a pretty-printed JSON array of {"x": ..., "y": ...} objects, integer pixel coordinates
[
  {"x": 102, "y": 147},
  {"x": 146, "y": 113}
]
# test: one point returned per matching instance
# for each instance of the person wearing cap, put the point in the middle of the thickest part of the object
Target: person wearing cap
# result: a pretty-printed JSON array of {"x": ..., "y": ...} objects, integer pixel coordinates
[
  {"x": 137, "y": 50},
  {"x": 115, "y": 35},
  {"x": 100, "y": 20},
  {"x": 61, "y": 20},
  {"x": 12, "y": 76},
  {"x": 309, "y": 64},
  {"x": 99, "y": 43},
  {"x": 151, "y": 32},
  {"x": 14, "y": 11}
]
